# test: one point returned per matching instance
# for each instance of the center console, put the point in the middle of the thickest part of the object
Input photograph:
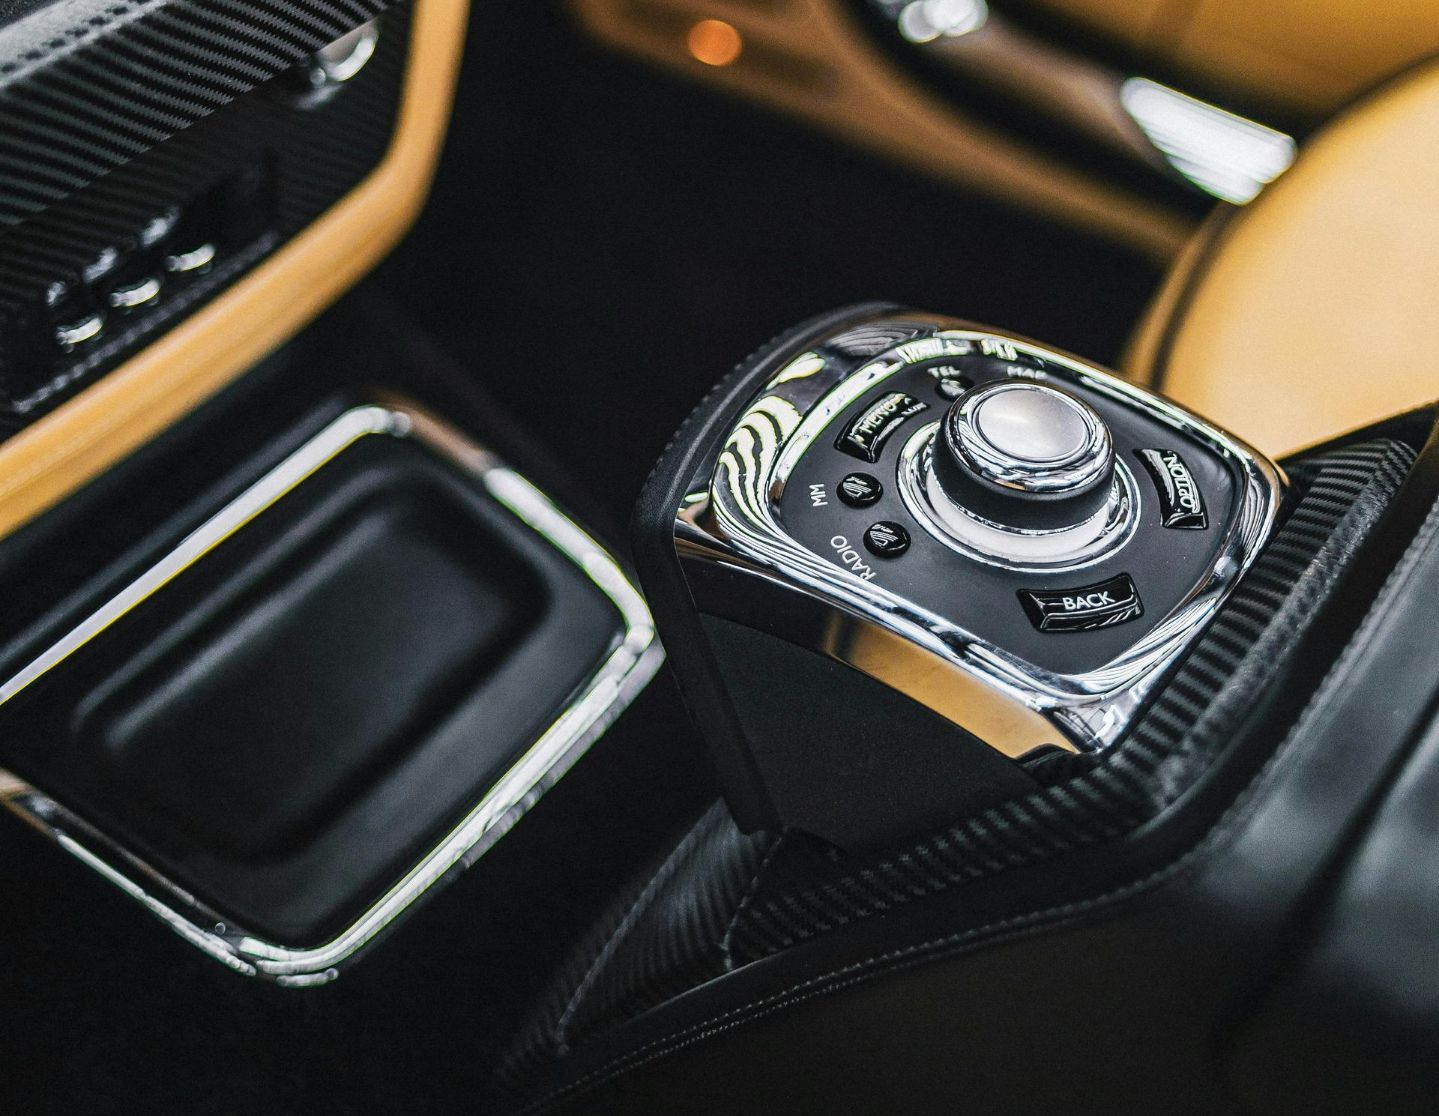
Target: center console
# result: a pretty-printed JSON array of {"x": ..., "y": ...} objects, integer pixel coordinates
[{"x": 1039, "y": 706}]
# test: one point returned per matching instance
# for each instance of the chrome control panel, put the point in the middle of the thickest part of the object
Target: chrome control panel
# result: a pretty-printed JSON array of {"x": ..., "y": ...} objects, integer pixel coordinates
[{"x": 1015, "y": 540}]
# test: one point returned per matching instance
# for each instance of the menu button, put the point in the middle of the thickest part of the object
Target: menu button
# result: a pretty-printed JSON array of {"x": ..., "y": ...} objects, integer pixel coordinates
[{"x": 865, "y": 437}]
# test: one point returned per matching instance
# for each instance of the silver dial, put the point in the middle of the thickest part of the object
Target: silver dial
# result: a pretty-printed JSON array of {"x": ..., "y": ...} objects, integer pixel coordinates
[
  {"x": 1026, "y": 442},
  {"x": 1020, "y": 474}
]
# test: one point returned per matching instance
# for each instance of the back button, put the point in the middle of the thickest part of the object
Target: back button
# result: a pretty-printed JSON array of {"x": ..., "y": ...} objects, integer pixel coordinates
[{"x": 1085, "y": 609}]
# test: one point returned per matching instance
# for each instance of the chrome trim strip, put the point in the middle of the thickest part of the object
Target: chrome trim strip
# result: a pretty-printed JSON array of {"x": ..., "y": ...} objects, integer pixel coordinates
[
  {"x": 633, "y": 661},
  {"x": 280, "y": 481},
  {"x": 733, "y": 520},
  {"x": 1231, "y": 157}
]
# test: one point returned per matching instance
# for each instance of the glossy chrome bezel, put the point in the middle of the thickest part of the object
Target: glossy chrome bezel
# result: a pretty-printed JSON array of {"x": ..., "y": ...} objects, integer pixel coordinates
[
  {"x": 72, "y": 335},
  {"x": 732, "y": 518},
  {"x": 1014, "y": 548},
  {"x": 136, "y": 295},
  {"x": 329, "y": 69},
  {"x": 1073, "y": 472},
  {"x": 633, "y": 659}
]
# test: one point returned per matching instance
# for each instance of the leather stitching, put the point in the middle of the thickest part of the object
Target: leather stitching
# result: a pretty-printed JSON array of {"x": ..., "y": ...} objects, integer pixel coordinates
[
  {"x": 835, "y": 980},
  {"x": 727, "y": 941},
  {"x": 617, "y": 935}
]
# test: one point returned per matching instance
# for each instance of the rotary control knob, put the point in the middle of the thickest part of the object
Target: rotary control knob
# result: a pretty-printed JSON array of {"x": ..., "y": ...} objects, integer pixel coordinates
[
  {"x": 1024, "y": 474},
  {"x": 1025, "y": 456}
]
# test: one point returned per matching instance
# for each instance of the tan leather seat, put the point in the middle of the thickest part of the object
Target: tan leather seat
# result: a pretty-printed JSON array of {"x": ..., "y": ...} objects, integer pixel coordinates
[
  {"x": 1302, "y": 56},
  {"x": 1316, "y": 309}
]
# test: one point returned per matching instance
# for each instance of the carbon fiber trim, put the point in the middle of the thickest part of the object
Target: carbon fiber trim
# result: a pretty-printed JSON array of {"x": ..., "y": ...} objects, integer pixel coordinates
[
  {"x": 1180, "y": 735},
  {"x": 740, "y": 899},
  {"x": 190, "y": 97},
  {"x": 85, "y": 87}
]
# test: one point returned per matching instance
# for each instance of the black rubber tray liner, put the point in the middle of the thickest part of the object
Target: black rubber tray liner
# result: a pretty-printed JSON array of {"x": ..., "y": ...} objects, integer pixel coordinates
[{"x": 290, "y": 724}]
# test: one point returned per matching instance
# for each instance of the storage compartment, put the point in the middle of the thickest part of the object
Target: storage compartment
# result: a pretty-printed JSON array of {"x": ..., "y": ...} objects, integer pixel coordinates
[
  {"x": 270, "y": 699},
  {"x": 349, "y": 679}
]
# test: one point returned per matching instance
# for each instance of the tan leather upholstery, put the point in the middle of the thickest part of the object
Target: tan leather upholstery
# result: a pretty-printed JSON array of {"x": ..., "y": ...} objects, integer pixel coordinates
[
  {"x": 1148, "y": 341},
  {"x": 1316, "y": 309},
  {"x": 1305, "y": 55},
  {"x": 1135, "y": 23}
]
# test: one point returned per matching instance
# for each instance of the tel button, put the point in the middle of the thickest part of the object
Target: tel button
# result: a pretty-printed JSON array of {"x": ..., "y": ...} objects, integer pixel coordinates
[{"x": 1085, "y": 608}]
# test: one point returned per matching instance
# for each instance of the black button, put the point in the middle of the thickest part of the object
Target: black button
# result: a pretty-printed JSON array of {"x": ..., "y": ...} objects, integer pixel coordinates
[
  {"x": 866, "y": 435},
  {"x": 1181, "y": 504},
  {"x": 859, "y": 490},
  {"x": 1084, "y": 609},
  {"x": 886, "y": 540},
  {"x": 950, "y": 381}
]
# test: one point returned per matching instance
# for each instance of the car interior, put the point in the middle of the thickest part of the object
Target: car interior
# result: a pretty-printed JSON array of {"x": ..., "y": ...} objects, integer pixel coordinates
[{"x": 719, "y": 556}]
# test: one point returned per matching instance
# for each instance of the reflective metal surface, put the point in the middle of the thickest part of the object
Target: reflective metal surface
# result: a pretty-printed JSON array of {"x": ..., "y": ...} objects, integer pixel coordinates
[
  {"x": 1072, "y": 547},
  {"x": 196, "y": 259},
  {"x": 1226, "y": 155},
  {"x": 136, "y": 295},
  {"x": 1172, "y": 134},
  {"x": 923, "y": 21},
  {"x": 632, "y": 661},
  {"x": 730, "y": 520},
  {"x": 327, "y": 71},
  {"x": 1030, "y": 425},
  {"x": 73, "y": 334}
]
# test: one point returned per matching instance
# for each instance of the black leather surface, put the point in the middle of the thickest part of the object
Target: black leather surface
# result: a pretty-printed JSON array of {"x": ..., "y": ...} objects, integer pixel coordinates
[
  {"x": 105, "y": 1010},
  {"x": 653, "y": 543},
  {"x": 1352, "y": 1020},
  {"x": 1349, "y": 1017},
  {"x": 825, "y": 928},
  {"x": 286, "y": 727},
  {"x": 311, "y": 669},
  {"x": 904, "y": 768}
]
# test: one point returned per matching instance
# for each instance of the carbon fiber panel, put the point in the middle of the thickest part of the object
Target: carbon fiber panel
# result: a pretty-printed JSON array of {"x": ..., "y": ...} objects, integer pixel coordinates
[
  {"x": 723, "y": 900},
  {"x": 131, "y": 113},
  {"x": 85, "y": 87}
]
